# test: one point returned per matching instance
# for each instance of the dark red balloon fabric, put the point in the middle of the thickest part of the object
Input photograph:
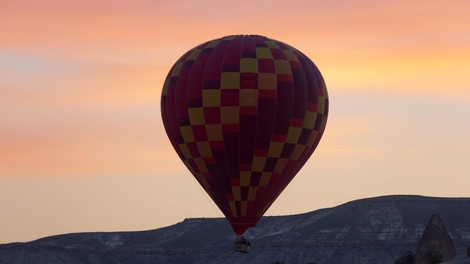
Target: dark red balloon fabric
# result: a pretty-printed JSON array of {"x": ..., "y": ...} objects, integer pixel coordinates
[{"x": 244, "y": 113}]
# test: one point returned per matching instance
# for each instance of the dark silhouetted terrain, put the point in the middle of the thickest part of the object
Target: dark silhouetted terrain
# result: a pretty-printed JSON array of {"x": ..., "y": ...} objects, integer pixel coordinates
[{"x": 375, "y": 230}]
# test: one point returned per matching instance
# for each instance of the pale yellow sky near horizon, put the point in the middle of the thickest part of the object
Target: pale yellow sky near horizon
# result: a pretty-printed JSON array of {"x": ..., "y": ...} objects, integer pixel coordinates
[{"x": 82, "y": 145}]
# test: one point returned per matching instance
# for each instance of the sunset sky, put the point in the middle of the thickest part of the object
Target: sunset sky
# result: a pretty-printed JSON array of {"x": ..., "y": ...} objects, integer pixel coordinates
[{"x": 82, "y": 144}]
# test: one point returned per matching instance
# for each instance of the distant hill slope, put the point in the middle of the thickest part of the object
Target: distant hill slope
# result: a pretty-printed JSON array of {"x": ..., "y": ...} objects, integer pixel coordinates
[{"x": 375, "y": 230}]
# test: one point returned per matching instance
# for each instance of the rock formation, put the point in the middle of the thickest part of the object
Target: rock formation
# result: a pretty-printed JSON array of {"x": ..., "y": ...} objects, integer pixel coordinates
[{"x": 435, "y": 245}]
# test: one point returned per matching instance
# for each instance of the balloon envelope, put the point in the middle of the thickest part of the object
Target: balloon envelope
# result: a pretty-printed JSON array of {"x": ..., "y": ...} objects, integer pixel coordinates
[{"x": 244, "y": 113}]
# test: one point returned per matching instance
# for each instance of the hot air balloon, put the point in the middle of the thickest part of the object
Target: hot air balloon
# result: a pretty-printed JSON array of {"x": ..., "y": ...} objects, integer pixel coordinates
[{"x": 244, "y": 113}]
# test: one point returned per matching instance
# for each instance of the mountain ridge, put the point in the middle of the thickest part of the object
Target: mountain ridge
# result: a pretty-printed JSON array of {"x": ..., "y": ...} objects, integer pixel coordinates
[{"x": 369, "y": 230}]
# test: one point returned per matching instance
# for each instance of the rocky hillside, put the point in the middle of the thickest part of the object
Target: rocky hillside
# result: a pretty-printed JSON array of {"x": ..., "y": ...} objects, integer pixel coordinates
[{"x": 375, "y": 230}]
